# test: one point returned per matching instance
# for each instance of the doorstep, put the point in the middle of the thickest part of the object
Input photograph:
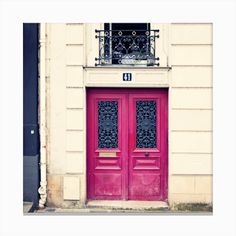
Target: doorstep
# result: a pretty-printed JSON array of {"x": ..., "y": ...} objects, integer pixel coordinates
[{"x": 128, "y": 205}]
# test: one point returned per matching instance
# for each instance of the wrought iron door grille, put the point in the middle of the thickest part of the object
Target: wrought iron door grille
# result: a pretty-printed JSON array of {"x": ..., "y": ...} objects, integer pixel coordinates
[
  {"x": 146, "y": 124},
  {"x": 125, "y": 47},
  {"x": 107, "y": 124}
]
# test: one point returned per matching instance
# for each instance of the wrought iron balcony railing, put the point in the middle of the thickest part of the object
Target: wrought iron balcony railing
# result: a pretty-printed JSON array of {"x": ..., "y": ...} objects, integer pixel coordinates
[{"x": 125, "y": 47}]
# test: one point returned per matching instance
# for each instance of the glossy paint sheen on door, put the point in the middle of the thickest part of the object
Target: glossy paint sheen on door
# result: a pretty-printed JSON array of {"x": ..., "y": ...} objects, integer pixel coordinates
[{"x": 127, "y": 144}]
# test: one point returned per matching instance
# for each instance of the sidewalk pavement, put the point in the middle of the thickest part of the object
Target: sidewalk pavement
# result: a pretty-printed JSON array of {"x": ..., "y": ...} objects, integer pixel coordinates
[
  {"x": 27, "y": 207},
  {"x": 118, "y": 208}
]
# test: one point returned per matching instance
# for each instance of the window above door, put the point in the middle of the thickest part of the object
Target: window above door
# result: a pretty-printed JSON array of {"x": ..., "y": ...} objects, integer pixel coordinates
[{"x": 127, "y": 44}]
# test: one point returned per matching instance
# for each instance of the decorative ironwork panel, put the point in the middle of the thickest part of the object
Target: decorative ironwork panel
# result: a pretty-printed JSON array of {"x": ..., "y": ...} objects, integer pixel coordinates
[
  {"x": 107, "y": 124},
  {"x": 146, "y": 124},
  {"x": 125, "y": 47}
]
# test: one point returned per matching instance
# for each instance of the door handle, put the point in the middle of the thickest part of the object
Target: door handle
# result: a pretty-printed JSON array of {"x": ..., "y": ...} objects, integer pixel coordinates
[{"x": 146, "y": 154}]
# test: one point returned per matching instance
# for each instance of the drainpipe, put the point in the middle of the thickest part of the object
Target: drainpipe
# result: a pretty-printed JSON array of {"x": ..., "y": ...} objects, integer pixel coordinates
[{"x": 42, "y": 117}]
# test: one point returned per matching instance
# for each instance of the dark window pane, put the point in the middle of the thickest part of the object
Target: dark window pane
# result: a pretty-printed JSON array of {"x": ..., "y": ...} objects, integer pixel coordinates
[
  {"x": 129, "y": 41},
  {"x": 107, "y": 124},
  {"x": 133, "y": 40},
  {"x": 146, "y": 124}
]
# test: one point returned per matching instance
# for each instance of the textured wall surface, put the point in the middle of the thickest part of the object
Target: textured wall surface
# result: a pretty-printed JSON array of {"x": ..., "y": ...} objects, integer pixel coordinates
[
  {"x": 66, "y": 154},
  {"x": 71, "y": 49},
  {"x": 190, "y": 159}
]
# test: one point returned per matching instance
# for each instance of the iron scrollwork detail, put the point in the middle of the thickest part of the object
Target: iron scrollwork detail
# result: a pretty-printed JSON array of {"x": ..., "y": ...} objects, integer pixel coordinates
[
  {"x": 127, "y": 48},
  {"x": 146, "y": 124},
  {"x": 107, "y": 124}
]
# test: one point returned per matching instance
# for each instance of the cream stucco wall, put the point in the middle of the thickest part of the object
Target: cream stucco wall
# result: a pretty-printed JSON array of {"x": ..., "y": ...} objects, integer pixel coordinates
[
  {"x": 190, "y": 168},
  {"x": 70, "y": 53}
]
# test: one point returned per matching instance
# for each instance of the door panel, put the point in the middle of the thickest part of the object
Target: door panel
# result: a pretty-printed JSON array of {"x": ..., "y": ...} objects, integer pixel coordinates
[
  {"x": 147, "y": 145},
  {"x": 140, "y": 163},
  {"x": 108, "y": 184},
  {"x": 144, "y": 186},
  {"x": 127, "y": 144},
  {"x": 107, "y": 147}
]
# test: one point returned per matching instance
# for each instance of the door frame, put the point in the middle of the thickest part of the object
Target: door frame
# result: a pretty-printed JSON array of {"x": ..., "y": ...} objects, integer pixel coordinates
[{"x": 123, "y": 90}]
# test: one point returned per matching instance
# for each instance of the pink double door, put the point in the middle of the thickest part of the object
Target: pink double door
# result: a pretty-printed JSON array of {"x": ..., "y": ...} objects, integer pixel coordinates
[{"x": 127, "y": 144}]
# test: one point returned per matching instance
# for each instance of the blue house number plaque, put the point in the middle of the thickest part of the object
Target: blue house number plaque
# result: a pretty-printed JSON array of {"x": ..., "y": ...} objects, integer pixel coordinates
[{"x": 127, "y": 76}]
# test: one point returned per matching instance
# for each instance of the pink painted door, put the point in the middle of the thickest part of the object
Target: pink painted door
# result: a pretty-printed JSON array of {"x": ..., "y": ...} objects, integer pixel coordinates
[
  {"x": 107, "y": 145},
  {"x": 127, "y": 144},
  {"x": 148, "y": 145}
]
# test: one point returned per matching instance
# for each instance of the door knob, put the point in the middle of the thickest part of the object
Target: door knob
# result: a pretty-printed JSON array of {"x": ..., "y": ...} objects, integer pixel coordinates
[{"x": 146, "y": 154}]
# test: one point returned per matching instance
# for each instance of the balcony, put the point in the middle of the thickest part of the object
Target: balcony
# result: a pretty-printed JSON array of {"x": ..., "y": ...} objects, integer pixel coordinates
[{"x": 127, "y": 48}]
